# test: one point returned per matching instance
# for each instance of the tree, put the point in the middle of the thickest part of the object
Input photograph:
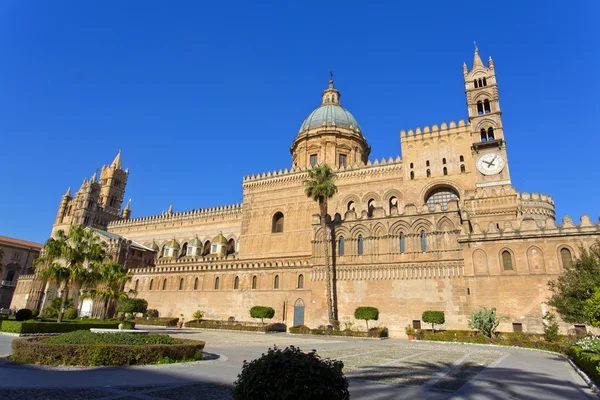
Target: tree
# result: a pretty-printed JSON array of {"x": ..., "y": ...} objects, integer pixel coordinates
[
  {"x": 485, "y": 321},
  {"x": 433, "y": 317},
  {"x": 321, "y": 187},
  {"x": 132, "y": 306},
  {"x": 551, "y": 328},
  {"x": 591, "y": 309},
  {"x": 578, "y": 283},
  {"x": 262, "y": 312},
  {"x": 367, "y": 313},
  {"x": 112, "y": 276},
  {"x": 69, "y": 258}
]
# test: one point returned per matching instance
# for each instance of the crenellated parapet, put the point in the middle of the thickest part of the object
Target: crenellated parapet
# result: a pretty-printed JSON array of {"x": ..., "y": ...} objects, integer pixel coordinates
[
  {"x": 443, "y": 129},
  {"x": 222, "y": 212},
  {"x": 299, "y": 174},
  {"x": 534, "y": 205}
]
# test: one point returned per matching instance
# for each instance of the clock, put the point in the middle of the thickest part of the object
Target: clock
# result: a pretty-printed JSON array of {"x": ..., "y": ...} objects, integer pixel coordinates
[{"x": 490, "y": 164}]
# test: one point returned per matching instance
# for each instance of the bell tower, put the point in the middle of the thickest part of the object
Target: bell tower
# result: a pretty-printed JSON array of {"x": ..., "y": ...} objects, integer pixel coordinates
[
  {"x": 485, "y": 119},
  {"x": 113, "y": 181}
]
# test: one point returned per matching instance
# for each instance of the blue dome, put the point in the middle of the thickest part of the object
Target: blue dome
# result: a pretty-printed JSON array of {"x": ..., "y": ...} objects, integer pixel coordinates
[{"x": 330, "y": 115}]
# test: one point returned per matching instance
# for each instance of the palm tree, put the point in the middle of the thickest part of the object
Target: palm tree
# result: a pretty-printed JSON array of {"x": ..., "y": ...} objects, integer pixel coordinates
[
  {"x": 69, "y": 259},
  {"x": 321, "y": 187},
  {"x": 112, "y": 278}
]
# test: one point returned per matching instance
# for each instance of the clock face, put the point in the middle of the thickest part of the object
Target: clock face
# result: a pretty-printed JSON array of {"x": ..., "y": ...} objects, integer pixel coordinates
[{"x": 491, "y": 164}]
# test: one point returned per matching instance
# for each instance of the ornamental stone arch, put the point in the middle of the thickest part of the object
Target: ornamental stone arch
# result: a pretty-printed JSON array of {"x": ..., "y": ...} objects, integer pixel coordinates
[
  {"x": 440, "y": 183},
  {"x": 359, "y": 229},
  {"x": 535, "y": 260},
  {"x": 421, "y": 225},
  {"x": 379, "y": 230},
  {"x": 444, "y": 224},
  {"x": 485, "y": 123},
  {"x": 346, "y": 202},
  {"x": 369, "y": 196},
  {"x": 480, "y": 262},
  {"x": 507, "y": 264},
  {"x": 400, "y": 226},
  {"x": 562, "y": 256}
]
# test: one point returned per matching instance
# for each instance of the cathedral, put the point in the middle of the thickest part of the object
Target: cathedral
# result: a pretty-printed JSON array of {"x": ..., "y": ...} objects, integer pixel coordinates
[{"x": 440, "y": 228}]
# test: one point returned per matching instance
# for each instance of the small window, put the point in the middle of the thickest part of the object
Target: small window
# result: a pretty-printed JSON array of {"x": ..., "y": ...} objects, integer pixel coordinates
[
  {"x": 300, "y": 281},
  {"x": 151, "y": 284},
  {"x": 484, "y": 82},
  {"x": 181, "y": 284},
  {"x": 196, "y": 284},
  {"x": 254, "y": 281},
  {"x": 214, "y": 248},
  {"x": 475, "y": 84},
  {"x": 236, "y": 282},
  {"x": 517, "y": 327},
  {"x": 360, "y": 245},
  {"x": 483, "y": 135},
  {"x": 479, "y": 107},
  {"x": 350, "y": 206},
  {"x": 10, "y": 275},
  {"x": 486, "y": 106},
  {"x": 216, "y": 283},
  {"x": 164, "y": 285},
  {"x": 423, "y": 242},
  {"x": 566, "y": 258},
  {"x": 427, "y": 163},
  {"x": 277, "y": 226},
  {"x": 462, "y": 169},
  {"x": 416, "y": 324},
  {"x": 445, "y": 171},
  {"x": 507, "y": 263},
  {"x": 490, "y": 133},
  {"x": 137, "y": 283},
  {"x": 189, "y": 251},
  {"x": 402, "y": 243},
  {"x": 166, "y": 253},
  {"x": 412, "y": 165},
  {"x": 461, "y": 159},
  {"x": 342, "y": 160},
  {"x": 444, "y": 161},
  {"x": 428, "y": 173},
  {"x": 341, "y": 246},
  {"x": 581, "y": 329},
  {"x": 314, "y": 159},
  {"x": 276, "y": 282},
  {"x": 468, "y": 291},
  {"x": 412, "y": 175}
]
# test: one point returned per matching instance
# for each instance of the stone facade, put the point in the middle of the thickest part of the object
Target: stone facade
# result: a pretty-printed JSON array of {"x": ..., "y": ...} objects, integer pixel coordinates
[
  {"x": 441, "y": 228},
  {"x": 17, "y": 260}
]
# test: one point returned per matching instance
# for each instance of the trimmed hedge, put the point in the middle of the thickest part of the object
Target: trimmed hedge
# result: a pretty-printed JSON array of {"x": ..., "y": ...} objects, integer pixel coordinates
[
  {"x": 373, "y": 332},
  {"x": 33, "y": 326},
  {"x": 159, "y": 321},
  {"x": 588, "y": 362},
  {"x": 33, "y": 351},
  {"x": 87, "y": 337},
  {"x": 235, "y": 326}
]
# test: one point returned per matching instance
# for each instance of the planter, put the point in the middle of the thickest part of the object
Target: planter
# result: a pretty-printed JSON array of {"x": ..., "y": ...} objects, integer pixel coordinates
[
  {"x": 411, "y": 337},
  {"x": 179, "y": 325}
]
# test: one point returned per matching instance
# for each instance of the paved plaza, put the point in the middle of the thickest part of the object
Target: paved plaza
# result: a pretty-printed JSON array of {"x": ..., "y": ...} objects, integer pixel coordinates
[{"x": 377, "y": 369}]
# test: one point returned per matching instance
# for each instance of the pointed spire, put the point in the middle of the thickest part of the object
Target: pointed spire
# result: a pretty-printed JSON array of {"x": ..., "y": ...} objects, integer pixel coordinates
[
  {"x": 476, "y": 59},
  {"x": 68, "y": 194},
  {"x": 491, "y": 63},
  {"x": 465, "y": 69},
  {"x": 117, "y": 161},
  {"x": 127, "y": 206},
  {"x": 170, "y": 211},
  {"x": 94, "y": 177},
  {"x": 330, "y": 95}
]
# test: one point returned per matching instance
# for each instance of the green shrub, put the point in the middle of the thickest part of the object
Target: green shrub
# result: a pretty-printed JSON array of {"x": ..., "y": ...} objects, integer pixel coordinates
[
  {"x": 151, "y": 313},
  {"x": 127, "y": 325},
  {"x": 132, "y": 306},
  {"x": 433, "y": 317},
  {"x": 485, "y": 321},
  {"x": 588, "y": 362},
  {"x": 52, "y": 310},
  {"x": 70, "y": 313},
  {"x": 198, "y": 315},
  {"x": 87, "y": 337},
  {"x": 551, "y": 329},
  {"x": 291, "y": 374},
  {"x": 367, "y": 313},
  {"x": 300, "y": 329},
  {"x": 262, "y": 313},
  {"x": 54, "y": 327},
  {"x": 207, "y": 324},
  {"x": 163, "y": 321},
  {"x": 37, "y": 350},
  {"x": 23, "y": 314}
]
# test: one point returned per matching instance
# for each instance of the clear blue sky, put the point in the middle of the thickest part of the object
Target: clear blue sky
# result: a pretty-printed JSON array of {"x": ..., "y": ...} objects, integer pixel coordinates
[{"x": 200, "y": 94}]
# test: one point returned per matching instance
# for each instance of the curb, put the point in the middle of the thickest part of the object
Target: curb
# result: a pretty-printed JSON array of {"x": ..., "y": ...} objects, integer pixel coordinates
[
  {"x": 584, "y": 376},
  {"x": 337, "y": 336}
]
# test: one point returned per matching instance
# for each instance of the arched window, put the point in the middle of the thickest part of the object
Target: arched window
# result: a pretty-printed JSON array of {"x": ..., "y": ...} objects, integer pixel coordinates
[
  {"x": 360, "y": 245},
  {"x": 427, "y": 163},
  {"x": 445, "y": 171},
  {"x": 486, "y": 106},
  {"x": 490, "y": 133},
  {"x": 230, "y": 246},
  {"x": 216, "y": 283},
  {"x": 483, "y": 135},
  {"x": 181, "y": 284},
  {"x": 164, "y": 285},
  {"x": 206, "y": 249},
  {"x": 350, "y": 206},
  {"x": 254, "y": 280},
  {"x": 428, "y": 173},
  {"x": 412, "y": 165},
  {"x": 484, "y": 82},
  {"x": 507, "y": 263},
  {"x": 196, "y": 284},
  {"x": 441, "y": 196},
  {"x": 370, "y": 207},
  {"x": 444, "y": 161},
  {"x": 236, "y": 282},
  {"x": 475, "y": 83},
  {"x": 479, "y": 107},
  {"x": 277, "y": 223},
  {"x": 461, "y": 159},
  {"x": 462, "y": 169},
  {"x": 423, "y": 242},
  {"x": 566, "y": 258},
  {"x": 184, "y": 250},
  {"x": 300, "y": 281},
  {"x": 402, "y": 243},
  {"x": 480, "y": 83},
  {"x": 341, "y": 246},
  {"x": 276, "y": 282},
  {"x": 137, "y": 282},
  {"x": 412, "y": 175},
  {"x": 151, "y": 284},
  {"x": 393, "y": 203}
]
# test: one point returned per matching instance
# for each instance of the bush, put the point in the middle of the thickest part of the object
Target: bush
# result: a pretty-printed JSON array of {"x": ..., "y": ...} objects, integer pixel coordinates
[
  {"x": 588, "y": 362},
  {"x": 54, "y": 327},
  {"x": 23, "y": 314},
  {"x": 198, "y": 315},
  {"x": 103, "y": 352},
  {"x": 151, "y": 313},
  {"x": 165, "y": 321},
  {"x": 53, "y": 309},
  {"x": 551, "y": 329},
  {"x": 132, "y": 306},
  {"x": 433, "y": 317},
  {"x": 300, "y": 329},
  {"x": 87, "y": 337},
  {"x": 291, "y": 374},
  {"x": 367, "y": 313},
  {"x": 235, "y": 327},
  {"x": 485, "y": 321},
  {"x": 70, "y": 313},
  {"x": 262, "y": 313},
  {"x": 127, "y": 325}
]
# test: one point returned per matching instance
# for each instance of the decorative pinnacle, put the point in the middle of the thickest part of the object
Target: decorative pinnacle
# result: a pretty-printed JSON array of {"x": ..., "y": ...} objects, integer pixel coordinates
[{"x": 68, "y": 191}]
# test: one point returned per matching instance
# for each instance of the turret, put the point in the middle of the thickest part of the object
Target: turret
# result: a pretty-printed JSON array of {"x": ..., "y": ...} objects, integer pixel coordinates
[
  {"x": 63, "y": 207},
  {"x": 113, "y": 180},
  {"x": 126, "y": 213}
]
